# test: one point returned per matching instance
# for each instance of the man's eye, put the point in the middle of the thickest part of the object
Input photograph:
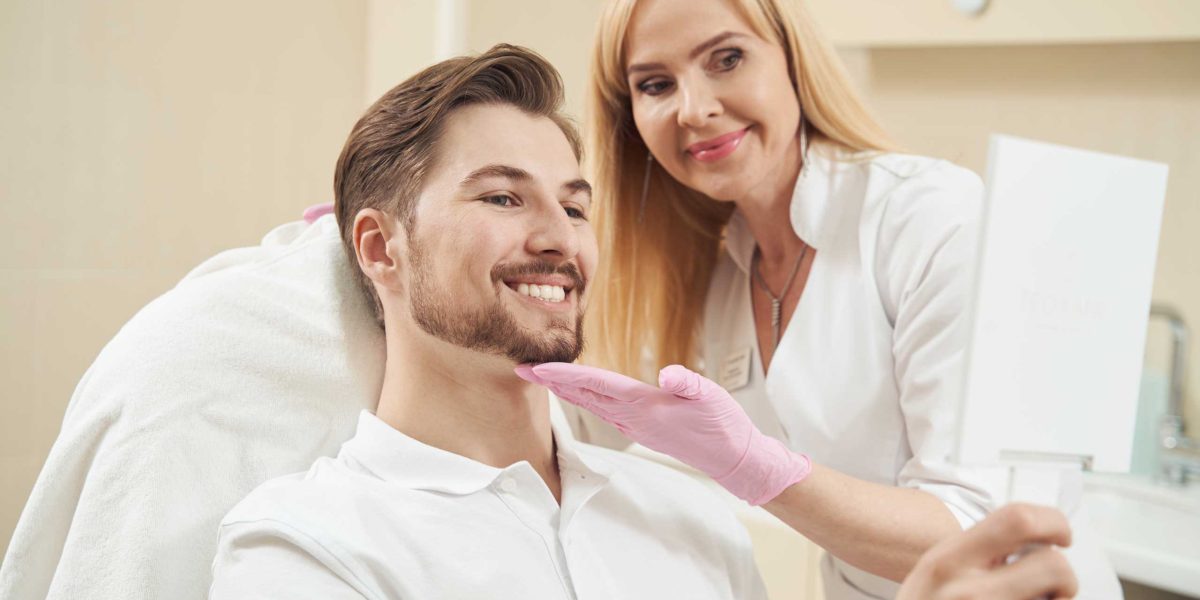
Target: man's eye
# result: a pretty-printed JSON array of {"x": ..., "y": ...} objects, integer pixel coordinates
[{"x": 500, "y": 200}]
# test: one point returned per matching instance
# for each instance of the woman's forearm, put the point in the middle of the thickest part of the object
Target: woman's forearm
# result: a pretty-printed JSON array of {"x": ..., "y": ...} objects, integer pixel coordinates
[{"x": 877, "y": 528}]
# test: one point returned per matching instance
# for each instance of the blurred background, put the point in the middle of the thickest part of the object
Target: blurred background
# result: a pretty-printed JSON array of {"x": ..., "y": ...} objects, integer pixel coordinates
[{"x": 139, "y": 137}]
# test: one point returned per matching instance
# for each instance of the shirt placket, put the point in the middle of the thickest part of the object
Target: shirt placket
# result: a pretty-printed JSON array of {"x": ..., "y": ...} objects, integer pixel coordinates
[
  {"x": 525, "y": 494},
  {"x": 578, "y": 486}
]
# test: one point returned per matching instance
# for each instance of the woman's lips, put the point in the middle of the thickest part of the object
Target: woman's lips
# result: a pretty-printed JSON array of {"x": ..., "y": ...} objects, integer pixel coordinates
[{"x": 718, "y": 147}]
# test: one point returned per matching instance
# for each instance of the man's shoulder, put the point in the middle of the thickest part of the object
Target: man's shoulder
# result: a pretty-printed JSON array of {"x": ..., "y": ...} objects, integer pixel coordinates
[
  {"x": 655, "y": 484},
  {"x": 300, "y": 499}
]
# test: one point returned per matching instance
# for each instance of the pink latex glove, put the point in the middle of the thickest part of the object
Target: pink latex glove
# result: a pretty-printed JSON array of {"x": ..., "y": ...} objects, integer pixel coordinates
[
  {"x": 688, "y": 417},
  {"x": 316, "y": 211}
]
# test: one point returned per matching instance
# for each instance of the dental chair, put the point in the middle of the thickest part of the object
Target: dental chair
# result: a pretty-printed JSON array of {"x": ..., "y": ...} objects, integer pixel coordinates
[{"x": 253, "y": 366}]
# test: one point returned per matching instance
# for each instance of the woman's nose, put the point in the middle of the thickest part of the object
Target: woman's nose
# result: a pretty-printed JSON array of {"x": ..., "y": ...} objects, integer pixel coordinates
[{"x": 697, "y": 104}]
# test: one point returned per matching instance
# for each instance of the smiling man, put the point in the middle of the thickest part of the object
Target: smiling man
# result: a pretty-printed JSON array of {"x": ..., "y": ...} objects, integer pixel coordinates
[{"x": 460, "y": 201}]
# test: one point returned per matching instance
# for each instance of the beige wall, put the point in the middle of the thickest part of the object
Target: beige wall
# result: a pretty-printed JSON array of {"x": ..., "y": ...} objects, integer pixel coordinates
[
  {"x": 402, "y": 39},
  {"x": 136, "y": 139},
  {"x": 401, "y": 42},
  {"x": 876, "y": 23},
  {"x": 561, "y": 31}
]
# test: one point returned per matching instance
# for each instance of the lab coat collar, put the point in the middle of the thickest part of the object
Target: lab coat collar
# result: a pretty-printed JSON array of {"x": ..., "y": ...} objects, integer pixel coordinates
[
  {"x": 814, "y": 207},
  {"x": 398, "y": 458}
]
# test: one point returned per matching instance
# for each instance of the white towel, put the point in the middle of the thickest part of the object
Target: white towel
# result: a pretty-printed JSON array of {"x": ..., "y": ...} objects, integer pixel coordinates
[{"x": 253, "y": 366}]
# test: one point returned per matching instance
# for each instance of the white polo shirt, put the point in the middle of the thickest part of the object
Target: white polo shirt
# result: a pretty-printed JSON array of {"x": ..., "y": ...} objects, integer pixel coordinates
[{"x": 391, "y": 518}]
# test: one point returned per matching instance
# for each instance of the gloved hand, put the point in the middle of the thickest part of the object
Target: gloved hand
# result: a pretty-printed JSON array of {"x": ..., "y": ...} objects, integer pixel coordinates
[{"x": 688, "y": 417}]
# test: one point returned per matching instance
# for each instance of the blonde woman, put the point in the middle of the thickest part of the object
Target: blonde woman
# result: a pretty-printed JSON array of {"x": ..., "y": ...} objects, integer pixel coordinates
[{"x": 757, "y": 224}]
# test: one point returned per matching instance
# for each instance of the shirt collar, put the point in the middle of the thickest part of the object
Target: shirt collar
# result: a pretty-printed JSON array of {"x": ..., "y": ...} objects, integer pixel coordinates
[
  {"x": 398, "y": 458},
  {"x": 813, "y": 209},
  {"x": 570, "y": 459}
]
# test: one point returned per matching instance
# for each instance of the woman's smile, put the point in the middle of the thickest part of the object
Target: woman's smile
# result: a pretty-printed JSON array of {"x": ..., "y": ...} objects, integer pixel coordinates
[{"x": 717, "y": 148}]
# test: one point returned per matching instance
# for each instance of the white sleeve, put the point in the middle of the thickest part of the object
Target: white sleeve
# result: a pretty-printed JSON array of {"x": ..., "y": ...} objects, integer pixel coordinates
[
  {"x": 924, "y": 263},
  {"x": 270, "y": 559}
]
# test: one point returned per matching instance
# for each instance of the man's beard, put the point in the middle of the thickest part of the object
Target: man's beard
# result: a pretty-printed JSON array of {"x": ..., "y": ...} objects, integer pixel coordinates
[{"x": 493, "y": 329}]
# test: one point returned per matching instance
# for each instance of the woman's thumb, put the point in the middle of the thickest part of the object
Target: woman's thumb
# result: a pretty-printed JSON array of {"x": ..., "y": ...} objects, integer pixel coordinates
[{"x": 683, "y": 382}]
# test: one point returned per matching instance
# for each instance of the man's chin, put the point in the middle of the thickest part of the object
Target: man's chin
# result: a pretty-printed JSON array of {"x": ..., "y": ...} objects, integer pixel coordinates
[
  {"x": 560, "y": 346},
  {"x": 543, "y": 353}
]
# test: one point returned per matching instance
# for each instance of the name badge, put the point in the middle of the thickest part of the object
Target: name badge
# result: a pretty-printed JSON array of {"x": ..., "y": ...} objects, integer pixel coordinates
[{"x": 735, "y": 371}]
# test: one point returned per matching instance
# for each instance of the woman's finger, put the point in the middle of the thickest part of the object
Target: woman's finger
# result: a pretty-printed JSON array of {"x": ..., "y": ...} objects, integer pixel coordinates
[
  {"x": 1008, "y": 530},
  {"x": 606, "y": 383},
  {"x": 597, "y": 404},
  {"x": 1042, "y": 573},
  {"x": 586, "y": 399},
  {"x": 525, "y": 371}
]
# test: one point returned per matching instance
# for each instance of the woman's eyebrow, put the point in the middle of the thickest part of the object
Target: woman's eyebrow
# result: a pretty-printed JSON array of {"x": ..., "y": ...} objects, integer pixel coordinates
[
  {"x": 713, "y": 41},
  {"x": 697, "y": 51}
]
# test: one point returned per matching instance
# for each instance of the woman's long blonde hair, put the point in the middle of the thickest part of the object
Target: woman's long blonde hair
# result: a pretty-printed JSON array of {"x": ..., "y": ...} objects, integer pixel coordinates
[{"x": 649, "y": 292}]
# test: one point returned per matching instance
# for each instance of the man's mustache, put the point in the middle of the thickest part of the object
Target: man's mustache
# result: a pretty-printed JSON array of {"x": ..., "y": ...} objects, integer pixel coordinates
[{"x": 502, "y": 272}]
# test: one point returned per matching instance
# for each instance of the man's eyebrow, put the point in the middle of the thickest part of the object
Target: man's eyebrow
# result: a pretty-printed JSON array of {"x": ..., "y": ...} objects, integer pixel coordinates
[
  {"x": 502, "y": 171},
  {"x": 577, "y": 186},
  {"x": 697, "y": 51}
]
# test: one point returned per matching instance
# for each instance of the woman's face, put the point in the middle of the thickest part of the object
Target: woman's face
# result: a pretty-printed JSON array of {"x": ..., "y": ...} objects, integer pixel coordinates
[{"x": 711, "y": 99}]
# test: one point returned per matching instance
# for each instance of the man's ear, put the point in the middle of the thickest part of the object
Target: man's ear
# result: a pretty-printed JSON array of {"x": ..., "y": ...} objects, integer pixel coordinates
[{"x": 377, "y": 239}]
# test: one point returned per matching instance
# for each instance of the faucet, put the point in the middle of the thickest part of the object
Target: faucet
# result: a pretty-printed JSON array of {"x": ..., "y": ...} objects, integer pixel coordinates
[{"x": 1179, "y": 455}]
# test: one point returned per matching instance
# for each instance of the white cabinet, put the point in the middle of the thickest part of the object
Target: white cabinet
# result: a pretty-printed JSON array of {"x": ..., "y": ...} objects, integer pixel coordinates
[{"x": 876, "y": 23}]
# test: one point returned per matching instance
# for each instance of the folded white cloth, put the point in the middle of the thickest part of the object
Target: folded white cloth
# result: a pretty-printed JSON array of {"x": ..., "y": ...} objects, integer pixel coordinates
[{"x": 252, "y": 367}]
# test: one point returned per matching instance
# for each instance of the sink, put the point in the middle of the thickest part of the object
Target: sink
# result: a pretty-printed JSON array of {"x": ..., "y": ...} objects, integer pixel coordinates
[{"x": 1151, "y": 532}]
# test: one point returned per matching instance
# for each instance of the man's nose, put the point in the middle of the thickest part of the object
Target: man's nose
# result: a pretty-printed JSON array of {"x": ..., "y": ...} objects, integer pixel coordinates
[
  {"x": 554, "y": 237},
  {"x": 697, "y": 104}
]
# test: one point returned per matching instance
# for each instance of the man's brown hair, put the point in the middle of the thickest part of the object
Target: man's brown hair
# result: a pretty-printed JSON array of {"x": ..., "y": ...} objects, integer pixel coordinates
[{"x": 392, "y": 147}]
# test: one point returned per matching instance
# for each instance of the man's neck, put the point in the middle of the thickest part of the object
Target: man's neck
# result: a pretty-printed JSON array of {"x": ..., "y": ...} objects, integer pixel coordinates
[{"x": 471, "y": 405}]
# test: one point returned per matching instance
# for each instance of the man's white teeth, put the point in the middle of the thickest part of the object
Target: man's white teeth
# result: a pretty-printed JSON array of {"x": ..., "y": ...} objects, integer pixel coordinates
[{"x": 549, "y": 293}]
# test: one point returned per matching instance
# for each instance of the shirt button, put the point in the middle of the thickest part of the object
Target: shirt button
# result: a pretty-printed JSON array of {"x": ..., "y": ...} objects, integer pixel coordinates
[{"x": 507, "y": 485}]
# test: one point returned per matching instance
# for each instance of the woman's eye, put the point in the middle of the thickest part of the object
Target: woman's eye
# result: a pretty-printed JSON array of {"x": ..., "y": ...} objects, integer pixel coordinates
[
  {"x": 574, "y": 213},
  {"x": 500, "y": 200},
  {"x": 654, "y": 87},
  {"x": 727, "y": 59}
]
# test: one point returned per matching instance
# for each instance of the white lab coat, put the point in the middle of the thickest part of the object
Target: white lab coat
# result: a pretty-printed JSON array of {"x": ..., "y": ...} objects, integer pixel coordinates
[{"x": 867, "y": 375}]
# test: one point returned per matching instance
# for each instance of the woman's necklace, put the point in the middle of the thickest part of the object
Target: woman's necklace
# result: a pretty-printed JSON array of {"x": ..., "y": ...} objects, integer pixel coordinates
[{"x": 777, "y": 301}]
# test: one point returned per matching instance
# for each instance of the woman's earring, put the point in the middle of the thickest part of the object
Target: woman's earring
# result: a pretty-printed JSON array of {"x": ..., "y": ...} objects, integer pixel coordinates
[
  {"x": 803, "y": 136},
  {"x": 803, "y": 145},
  {"x": 645, "y": 186}
]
